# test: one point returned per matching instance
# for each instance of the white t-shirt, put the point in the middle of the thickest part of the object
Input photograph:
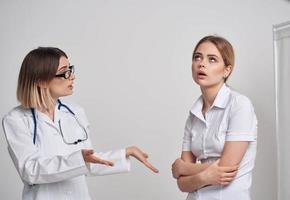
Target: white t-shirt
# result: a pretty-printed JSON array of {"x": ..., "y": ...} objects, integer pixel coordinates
[{"x": 230, "y": 118}]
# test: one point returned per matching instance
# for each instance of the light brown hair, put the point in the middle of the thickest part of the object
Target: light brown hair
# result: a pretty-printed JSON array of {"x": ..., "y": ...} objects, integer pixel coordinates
[{"x": 38, "y": 67}]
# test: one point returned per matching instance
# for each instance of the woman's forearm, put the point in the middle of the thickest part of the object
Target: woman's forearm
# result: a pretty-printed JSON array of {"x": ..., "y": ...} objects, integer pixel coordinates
[
  {"x": 191, "y": 183},
  {"x": 195, "y": 168}
]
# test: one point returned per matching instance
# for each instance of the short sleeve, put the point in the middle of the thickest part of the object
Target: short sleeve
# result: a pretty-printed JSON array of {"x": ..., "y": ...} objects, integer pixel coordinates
[
  {"x": 186, "y": 144},
  {"x": 242, "y": 121}
]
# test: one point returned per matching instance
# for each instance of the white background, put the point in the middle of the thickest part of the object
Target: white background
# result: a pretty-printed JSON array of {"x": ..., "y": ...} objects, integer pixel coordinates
[{"x": 133, "y": 73}]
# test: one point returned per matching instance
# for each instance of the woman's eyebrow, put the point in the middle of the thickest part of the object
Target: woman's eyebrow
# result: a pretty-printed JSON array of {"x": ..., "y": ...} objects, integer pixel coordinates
[{"x": 212, "y": 55}]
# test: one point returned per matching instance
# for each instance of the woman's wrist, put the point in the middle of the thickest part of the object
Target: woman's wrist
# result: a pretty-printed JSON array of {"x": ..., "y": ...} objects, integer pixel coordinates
[
  {"x": 203, "y": 180},
  {"x": 186, "y": 170},
  {"x": 129, "y": 151}
]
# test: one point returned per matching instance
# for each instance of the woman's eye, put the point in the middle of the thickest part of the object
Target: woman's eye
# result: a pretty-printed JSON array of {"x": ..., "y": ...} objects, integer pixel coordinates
[
  {"x": 212, "y": 59},
  {"x": 196, "y": 57}
]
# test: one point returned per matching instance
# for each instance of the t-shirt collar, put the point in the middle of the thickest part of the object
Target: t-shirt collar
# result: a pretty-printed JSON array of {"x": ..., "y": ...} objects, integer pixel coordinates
[{"x": 221, "y": 101}]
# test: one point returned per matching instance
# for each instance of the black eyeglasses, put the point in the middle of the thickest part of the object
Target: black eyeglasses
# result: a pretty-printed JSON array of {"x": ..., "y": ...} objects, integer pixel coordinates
[
  {"x": 67, "y": 74},
  {"x": 76, "y": 141}
]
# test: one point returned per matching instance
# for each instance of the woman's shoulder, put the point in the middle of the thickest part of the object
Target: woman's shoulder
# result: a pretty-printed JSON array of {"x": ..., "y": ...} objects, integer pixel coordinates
[
  {"x": 17, "y": 112},
  {"x": 238, "y": 99},
  {"x": 73, "y": 106}
]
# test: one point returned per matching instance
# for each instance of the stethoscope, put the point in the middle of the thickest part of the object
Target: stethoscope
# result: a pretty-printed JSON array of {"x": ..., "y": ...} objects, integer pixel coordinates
[{"x": 59, "y": 124}]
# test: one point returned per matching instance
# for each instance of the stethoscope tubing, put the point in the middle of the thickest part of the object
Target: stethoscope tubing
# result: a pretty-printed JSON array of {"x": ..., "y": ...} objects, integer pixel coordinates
[{"x": 35, "y": 122}]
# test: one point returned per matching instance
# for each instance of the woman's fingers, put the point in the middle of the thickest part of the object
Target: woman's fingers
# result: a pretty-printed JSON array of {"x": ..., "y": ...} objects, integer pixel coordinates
[
  {"x": 104, "y": 162},
  {"x": 176, "y": 168},
  {"x": 229, "y": 169},
  {"x": 142, "y": 157},
  {"x": 226, "y": 179},
  {"x": 88, "y": 155},
  {"x": 147, "y": 164},
  {"x": 222, "y": 175},
  {"x": 145, "y": 154},
  {"x": 226, "y": 168},
  {"x": 95, "y": 159},
  {"x": 229, "y": 175},
  {"x": 150, "y": 166},
  {"x": 225, "y": 183}
]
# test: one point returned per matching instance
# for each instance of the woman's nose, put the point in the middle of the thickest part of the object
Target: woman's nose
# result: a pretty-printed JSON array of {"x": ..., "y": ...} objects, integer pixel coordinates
[
  {"x": 73, "y": 76},
  {"x": 202, "y": 63}
]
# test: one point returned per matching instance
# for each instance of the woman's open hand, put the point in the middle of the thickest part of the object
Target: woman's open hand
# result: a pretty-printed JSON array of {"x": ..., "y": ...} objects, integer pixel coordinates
[
  {"x": 88, "y": 155},
  {"x": 141, "y": 156}
]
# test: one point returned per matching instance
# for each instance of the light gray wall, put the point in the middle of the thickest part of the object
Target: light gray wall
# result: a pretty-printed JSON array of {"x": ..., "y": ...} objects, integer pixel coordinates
[
  {"x": 133, "y": 73},
  {"x": 282, "y": 74}
]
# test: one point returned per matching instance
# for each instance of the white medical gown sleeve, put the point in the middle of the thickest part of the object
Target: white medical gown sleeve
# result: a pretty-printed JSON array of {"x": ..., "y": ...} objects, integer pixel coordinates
[
  {"x": 242, "y": 121},
  {"x": 187, "y": 137},
  {"x": 118, "y": 157},
  {"x": 32, "y": 166}
]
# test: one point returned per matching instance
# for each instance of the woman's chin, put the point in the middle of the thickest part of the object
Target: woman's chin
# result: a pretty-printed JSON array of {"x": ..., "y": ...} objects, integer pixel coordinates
[
  {"x": 201, "y": 82},
  {"x": 67, "y": 93}
]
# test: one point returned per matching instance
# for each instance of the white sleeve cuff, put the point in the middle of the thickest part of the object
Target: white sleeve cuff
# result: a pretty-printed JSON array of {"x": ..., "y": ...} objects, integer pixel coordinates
[
  {"x": 234, "y": 136},
  {"x": 118, "y": 157}
]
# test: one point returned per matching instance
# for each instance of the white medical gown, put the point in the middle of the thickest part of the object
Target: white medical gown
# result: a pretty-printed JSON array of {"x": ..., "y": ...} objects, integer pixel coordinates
[{"x": 51, "y": 169}]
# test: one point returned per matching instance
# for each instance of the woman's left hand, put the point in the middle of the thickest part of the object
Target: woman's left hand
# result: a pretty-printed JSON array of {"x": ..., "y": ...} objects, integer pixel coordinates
[{"x": 141, "y": 156}]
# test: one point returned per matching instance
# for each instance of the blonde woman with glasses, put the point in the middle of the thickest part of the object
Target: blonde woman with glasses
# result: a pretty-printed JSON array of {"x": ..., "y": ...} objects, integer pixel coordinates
[{"x": 49, "y": 140}]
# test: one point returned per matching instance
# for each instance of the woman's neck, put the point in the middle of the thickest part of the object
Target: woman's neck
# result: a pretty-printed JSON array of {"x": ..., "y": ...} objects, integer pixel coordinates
[
  {"x": 49, "y": 111},
  {"x": 208, "y": 95}
]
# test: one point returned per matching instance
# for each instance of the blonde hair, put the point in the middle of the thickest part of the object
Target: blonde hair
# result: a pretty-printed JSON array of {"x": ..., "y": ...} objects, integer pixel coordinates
[
  {"x": 38, "y": 68},
  {"x": 224, "y": 47}
]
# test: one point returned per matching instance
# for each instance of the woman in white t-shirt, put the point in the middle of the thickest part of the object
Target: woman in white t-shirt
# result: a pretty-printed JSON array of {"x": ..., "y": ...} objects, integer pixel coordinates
[{"x": 219, "y": 143}]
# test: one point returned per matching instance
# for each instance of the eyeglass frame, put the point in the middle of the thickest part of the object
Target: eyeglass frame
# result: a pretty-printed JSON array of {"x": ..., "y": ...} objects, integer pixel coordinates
[
  {"x": 67, "y": 74},
  {"x": 78, "y": 140}
]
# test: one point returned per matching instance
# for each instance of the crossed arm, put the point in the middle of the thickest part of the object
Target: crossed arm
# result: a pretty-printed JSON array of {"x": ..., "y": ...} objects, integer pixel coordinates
[{"x": 192, "y": 176}]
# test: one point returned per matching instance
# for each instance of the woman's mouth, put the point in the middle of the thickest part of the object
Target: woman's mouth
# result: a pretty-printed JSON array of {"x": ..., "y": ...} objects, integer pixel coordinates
[{"x": 201, "y": 75}]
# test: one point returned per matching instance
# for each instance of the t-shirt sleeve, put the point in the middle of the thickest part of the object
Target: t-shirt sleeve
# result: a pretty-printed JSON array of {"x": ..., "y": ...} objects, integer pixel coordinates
[
  {"x": 186, "y": 144},
  {"x": 242, "y": 121}
]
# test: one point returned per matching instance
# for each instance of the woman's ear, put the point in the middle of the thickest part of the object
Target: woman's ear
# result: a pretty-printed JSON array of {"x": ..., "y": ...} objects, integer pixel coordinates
[
  {"x": 42, "y": 84},
  {"x": 228, "y": 71}
]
